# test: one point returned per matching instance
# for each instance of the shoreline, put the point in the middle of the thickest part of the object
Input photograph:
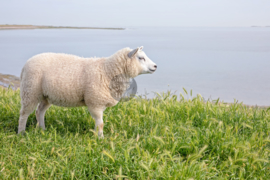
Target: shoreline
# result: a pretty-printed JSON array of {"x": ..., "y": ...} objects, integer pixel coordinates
[
  {"x": 7, "y": 80},
  {"x": 18, "y": 27}
]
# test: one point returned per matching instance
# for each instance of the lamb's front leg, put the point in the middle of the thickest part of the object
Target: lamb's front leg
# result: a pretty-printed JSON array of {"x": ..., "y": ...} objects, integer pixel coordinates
[{"x": 97, "y": 114}]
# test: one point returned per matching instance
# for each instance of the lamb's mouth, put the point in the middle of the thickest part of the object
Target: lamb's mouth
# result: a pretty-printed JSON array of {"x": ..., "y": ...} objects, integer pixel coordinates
[{"x": 151, "y": 70}]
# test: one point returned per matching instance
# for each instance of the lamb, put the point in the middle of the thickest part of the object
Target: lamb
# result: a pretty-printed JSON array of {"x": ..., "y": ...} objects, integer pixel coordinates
[{"x": 72, "y": 81}]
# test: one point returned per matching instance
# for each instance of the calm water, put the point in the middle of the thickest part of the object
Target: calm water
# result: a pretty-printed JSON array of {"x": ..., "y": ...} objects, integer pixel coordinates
[{"x": 229, "y": 63}]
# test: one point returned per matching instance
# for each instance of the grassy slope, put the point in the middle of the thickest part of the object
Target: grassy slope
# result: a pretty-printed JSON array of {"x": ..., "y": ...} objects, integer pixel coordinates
[{"x": 155, "y": 139}]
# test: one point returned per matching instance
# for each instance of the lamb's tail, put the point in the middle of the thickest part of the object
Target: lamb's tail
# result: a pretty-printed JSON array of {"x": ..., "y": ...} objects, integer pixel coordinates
[{"x": 21, "y": 76}]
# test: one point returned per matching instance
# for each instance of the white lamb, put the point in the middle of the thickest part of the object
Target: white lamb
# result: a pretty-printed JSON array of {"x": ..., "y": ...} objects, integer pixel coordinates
[{"x": 71, "y": 81}]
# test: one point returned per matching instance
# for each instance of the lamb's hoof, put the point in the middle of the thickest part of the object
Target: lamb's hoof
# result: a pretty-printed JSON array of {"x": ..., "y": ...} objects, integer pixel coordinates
[
  {"x": 41, "y": 128},
  {"x": 100, "y": 136},
  {"x": 22, "y": 133}
]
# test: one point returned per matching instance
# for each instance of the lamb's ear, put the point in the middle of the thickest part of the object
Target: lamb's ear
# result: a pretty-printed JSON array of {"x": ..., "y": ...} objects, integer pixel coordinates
[
  {"x": 133, "y": 52},
  {"x": 140, "y": 48}
]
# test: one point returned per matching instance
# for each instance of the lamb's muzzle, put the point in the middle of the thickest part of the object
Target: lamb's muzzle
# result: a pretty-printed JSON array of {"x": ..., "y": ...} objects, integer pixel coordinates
[{"x": 72, "y": 81}]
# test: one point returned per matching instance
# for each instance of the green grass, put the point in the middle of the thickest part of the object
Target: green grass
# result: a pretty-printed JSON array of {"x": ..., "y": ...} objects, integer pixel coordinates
[{"x": 161, "y": 138}]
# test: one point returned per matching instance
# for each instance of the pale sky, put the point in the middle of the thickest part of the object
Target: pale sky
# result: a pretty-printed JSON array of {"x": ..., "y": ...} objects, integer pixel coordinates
[{"x": 134, "y": 13}]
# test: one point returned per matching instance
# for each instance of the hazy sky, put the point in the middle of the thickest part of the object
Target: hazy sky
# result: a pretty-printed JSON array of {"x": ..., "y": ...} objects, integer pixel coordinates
[{"x": 127, "y": 13}]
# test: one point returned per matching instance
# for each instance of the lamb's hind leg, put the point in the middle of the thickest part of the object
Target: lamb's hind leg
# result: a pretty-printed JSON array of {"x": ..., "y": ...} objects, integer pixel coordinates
[
  {"x": 26, "y": 110},
  {"x": 40, "y": 112}
]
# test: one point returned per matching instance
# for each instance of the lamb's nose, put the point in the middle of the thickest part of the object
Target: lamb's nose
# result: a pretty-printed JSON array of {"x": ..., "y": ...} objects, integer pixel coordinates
[{"x": 155, "y": 66}]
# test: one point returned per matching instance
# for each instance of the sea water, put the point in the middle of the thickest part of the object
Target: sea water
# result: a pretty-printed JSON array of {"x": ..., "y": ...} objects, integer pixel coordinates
[{"x": 225, "y": 63}]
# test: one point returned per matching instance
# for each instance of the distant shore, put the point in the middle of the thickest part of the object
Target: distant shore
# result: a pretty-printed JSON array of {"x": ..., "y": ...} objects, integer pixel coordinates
[{"x": 14, "y": 27}]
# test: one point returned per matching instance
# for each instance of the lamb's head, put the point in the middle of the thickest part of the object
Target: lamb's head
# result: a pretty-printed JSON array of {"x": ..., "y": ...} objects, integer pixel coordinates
[{"x": 143, "y": 64}]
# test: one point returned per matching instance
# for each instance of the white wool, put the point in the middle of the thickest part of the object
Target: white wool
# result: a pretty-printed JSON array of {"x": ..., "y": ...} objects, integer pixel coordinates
[{"x": 69, "y": 81}]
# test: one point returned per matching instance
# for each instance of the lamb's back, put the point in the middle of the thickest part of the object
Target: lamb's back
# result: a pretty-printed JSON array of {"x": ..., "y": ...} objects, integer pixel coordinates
[{"x": 62, "y": 77}]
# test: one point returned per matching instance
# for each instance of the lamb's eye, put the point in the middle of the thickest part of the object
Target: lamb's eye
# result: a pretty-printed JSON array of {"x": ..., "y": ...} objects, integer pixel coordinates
[{"x": 141, "y": 58}]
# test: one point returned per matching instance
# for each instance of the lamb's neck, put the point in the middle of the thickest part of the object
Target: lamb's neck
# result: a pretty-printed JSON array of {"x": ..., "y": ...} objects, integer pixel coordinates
[
  {"x": 114, "y": 67},
  {"x": 118, "y": 80}
]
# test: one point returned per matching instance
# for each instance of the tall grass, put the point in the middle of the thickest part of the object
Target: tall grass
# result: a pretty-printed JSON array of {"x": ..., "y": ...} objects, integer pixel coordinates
[{"x": 167, "y": 137}]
